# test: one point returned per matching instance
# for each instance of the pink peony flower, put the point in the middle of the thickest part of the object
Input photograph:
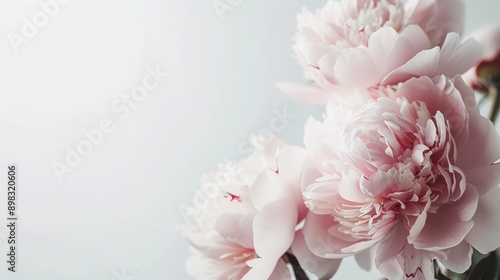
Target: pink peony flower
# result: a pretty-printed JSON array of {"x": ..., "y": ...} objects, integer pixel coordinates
[
  {"x": 487, "y": 72},
  {"x": 410, "y": 174},
  {"x": 360, "y": 44},
  {"x": 246, "y": 215}
]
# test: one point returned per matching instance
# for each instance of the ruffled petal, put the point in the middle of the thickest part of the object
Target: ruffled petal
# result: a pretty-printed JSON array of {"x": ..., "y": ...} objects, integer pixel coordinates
[
  {"x": 397, "y": 259},
  {"x": 324, "y": 239},
  {"x": 449, "y": 226},
  {"x": 318, "y": 240}
]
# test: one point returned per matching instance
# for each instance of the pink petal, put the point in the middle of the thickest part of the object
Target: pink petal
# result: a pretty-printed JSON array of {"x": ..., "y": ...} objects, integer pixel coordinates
[
  {"x": 389, "y": 249},
  {"x": 450, "y": 60},
  {"x": 449, "y": 226},
  {"x": 349, "y": 188},
  {"x": 435, "y": 93},
  {"x": 381, "y": 44},
  {"x": 266, "y": 188},
  {"x": 290, "y": 165},
  {"x": 356, "y": 69},
  {"x": 317, "y": 238},
  {"x": 362, "y": 67},
  {"x": 437, "y": 17},
  {"x": 482, "y": 150},
  {"x": 457, "y": 57},
  {"x": 322, "y": 268},
  {"x": 281, "y": 271},
  {"x": 323, "y": 238},
  {"x": 422, "y": 64},
  {"x": 458, "y": 258},
  {"x": 274, "y": 228},
  {"x": 419, "y": 224},
  {"x": 281, "y": 181},
  {"x": 309, "y": 176},
  {"x": 418, "y": 264},
  {"x": 310, "y": 53},
  {"x": 409, "y": 42},
  {"x": 484, "y": 236},
  {"x": 365, "y": 259},
  {"x": 397, "y": 259},
  {"x": 229, "y": 225},
  {"x": 261, "y": 268}
]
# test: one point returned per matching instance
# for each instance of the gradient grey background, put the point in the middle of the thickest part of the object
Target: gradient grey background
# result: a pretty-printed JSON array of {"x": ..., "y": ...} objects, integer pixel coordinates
[{"x": 115, "y": 216}]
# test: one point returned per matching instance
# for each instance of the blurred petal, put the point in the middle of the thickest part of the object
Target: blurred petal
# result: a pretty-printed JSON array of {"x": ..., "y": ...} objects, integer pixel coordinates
[
  {"x": 281, "y": 271},
  {"x": 437, "y": 17},
  {"x": 229, "y": 226},
  {"x": 365, "y": 259}
]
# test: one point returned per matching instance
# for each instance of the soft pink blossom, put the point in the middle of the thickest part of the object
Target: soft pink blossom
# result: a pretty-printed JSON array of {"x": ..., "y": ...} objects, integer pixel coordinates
[
  {"x": 360, "y": 44},
  {"x": 246, "y": 216},
  {"x": 410, "y": 174},
  {"x": 489, "y": 37}
]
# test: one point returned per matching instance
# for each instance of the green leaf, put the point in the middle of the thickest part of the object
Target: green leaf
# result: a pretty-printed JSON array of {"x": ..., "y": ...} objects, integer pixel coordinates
[{"x": 486, "y": 269}]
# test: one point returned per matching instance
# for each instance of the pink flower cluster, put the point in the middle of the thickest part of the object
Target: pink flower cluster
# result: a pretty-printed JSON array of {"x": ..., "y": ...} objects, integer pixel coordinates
[
  {"x": 247, "y": 221},
  {"x": 402, "y": 164}
]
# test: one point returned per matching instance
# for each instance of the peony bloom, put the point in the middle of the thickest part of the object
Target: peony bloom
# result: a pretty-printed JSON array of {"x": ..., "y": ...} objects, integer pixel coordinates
[
  {"x": 246, "y": 215},
  {"x": 487, "y": 72},
  {"x": 410, "y": 174},
  {"x": 360, "y": 44}
]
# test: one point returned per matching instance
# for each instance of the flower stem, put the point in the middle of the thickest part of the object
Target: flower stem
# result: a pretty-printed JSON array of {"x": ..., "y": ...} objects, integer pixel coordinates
[
  {"x": 495, "y": 103},
  {"x": 438, "y": 274},
  {"x": 297, "y": 270}
]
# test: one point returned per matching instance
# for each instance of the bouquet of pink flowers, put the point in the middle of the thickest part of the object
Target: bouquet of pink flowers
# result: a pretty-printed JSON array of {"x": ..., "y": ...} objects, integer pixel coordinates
[{"x": 403, "y": 171}]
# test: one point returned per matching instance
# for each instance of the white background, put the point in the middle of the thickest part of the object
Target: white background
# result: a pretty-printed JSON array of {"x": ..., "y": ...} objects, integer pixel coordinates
[{"x": 114, "y": 216}]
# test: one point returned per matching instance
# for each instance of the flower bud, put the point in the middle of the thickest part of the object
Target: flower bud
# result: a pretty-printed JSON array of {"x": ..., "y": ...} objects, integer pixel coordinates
[{"x": 486, "y": 73}]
